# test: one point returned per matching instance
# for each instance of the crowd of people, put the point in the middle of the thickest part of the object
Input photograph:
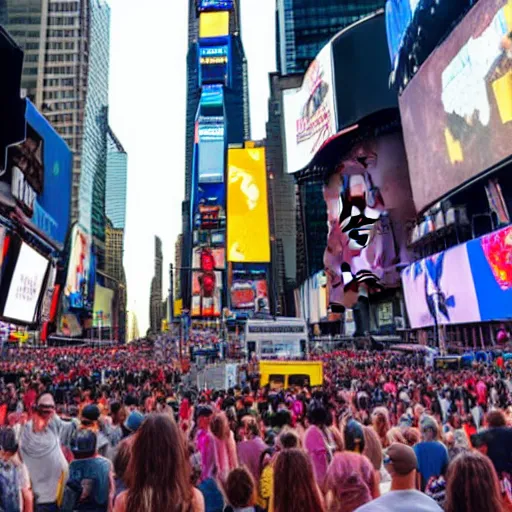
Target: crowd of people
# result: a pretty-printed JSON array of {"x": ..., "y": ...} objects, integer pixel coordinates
[{"x": 112, "y": 429}]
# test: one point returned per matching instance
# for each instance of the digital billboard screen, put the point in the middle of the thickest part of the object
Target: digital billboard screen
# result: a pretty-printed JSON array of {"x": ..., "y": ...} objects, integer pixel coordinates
[
  {"x": 457, "y": 110},
  {"x": 102, "y": 312},
  {"x": 250, "y": 294},
  {"x": 212, "y": 96},
  {"x": 218, "y": 5},
  {"x": 213, "y": 64},
  {"x": 248, "y": 239},
  {"x": 213, "y": 24},
  {"x": 26, "y": 285},
  {"x": 211, "y": 150},
  {"x": 218, "y": 255},
  {"x": 206, "y": 293}
]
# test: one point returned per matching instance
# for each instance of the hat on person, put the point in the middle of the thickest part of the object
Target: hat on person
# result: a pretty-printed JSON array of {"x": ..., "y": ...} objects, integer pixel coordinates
[
  {"x": 400, "y": 459},
  {"x": 91, "y": 413},
  {"x": 83, "y": 442},
  {"x": 405, "y": 421},
  {"x": 134, "y": 421}
]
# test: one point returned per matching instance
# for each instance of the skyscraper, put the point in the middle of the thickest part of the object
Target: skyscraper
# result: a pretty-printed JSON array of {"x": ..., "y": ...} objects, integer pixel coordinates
[
  {"x": 117, "y": 174},
  {"x": 217, "y": 101},
  {"x": 156, "y": 313},
  {"x": 65, "y": 74}
]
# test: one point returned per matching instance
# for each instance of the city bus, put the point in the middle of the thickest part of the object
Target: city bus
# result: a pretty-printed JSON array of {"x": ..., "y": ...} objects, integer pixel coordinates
[{"x": 276, "y": 338}]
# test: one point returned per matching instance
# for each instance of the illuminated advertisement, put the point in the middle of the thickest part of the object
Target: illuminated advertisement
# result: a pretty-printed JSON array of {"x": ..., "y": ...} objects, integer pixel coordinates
[
  {"x": 212, "y": 96},
  {"x": 250, "y": 294},
  {"x": 457, "y": 110},
  {"x": 220, "y": 5},
  {"x": 209, "y": 206},
  {"x": 78, "y": 279},
  {"x": 218, "y": 255},
  {"x": 471, "y": 282},
  {"x": 309, "y": 113},
  {"x": 213, "y": 64},
  {"x": 206, "y": 293},
  {"x": 37, "y": 179},
  {"x": 213, "y": 24},
  {"x": 211, "y": 149},
  {"x": 102, "y": 311},
  {"x": 247, "y": 206},
  {"x": 26, "y": 285}
]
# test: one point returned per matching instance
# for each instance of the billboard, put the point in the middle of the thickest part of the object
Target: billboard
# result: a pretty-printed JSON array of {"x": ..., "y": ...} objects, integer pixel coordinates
[
  {"x": 78, "y": 288},
  {"x": 212, "y": 96},
  {"x": 37, "y": 178},
  {"x": 102, "y": 312},
  {"x": 213, "y": 64},
  {"x": 471, "y": 282},
  {"x": 457, "y": 110},
  {"x": 250, "y": 294},
  {"x": 210, "y": 135},
  {"x": 26, "y": 285},
  {"x": 224, "y": 5},
  {"x": 216, "y": 254},
  {"x": 213, "y": 24},
  {"x": 209, "y": 207},
  {"x": 248, "y": 239},
  {"x": 206, "y": 293},
  {"x": 309, "y": 113}
]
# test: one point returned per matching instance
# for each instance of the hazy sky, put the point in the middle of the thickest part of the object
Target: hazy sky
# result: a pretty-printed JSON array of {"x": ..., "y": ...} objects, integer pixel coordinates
[{"x": 147, "y": 113}]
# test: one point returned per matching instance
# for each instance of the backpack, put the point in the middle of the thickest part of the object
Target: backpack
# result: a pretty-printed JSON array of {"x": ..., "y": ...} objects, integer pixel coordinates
[{"x": 9, "y": 488}]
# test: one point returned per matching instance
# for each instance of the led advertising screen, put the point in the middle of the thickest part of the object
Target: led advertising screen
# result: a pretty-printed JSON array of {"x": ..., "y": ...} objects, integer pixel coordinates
[
  {"x": 248, "y": 239},
  {"x": 469, "y": 283},
  {"x": 206, "y": 293},
  {"x": 78, "y": 284},
  {"x": 213, "y": 24},
  {"x": 211, "y": 149},
  {"x": 212, "y": 96},
  {"x": 457, "y": 110},
  {"x": 26, "y": 285},
  {"x": 102, "y": 312},
  {"x": 213, "y": 64},
  {"x": 218, "y": 255},
  {"x": 309, "y": 113},
  {"x": 209, "y": 206},
  {"x": 250, "y": 294},
  {"x": 224, "y": 5}
]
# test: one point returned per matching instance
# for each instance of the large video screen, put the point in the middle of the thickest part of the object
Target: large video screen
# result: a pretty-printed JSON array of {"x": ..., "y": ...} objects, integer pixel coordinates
[
  {"x": 250, "y": 294},
  {"x": 206, "y": 294},
  {"x": 26, "y": 285},
  {"x": 78, "y": 281},
  {"x": 213, "y": 24},
  {"x": 102, "y": 313},
  {"x": 217, "y": 254},
  {"x": 204, "y": 5},
  {"x": 248, "y": 239},
  {"x": 211, "y": 150},
  {"x": 213, "y": 64},
  {"x": 309, "y": 113},
  {"x": 457, "y": 111}
]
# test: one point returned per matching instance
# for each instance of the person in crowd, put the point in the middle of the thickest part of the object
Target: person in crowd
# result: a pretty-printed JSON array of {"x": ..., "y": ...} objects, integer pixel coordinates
[
  {"x": 158, "y": 474},
  {"x": 224, "y": 446},
  {"x": 121, "y": 460},
  {"x": 90, "y": 484},
  {"x": 240, "y": 491},
  {"x": 472, "y": 485},
  {"x": 295, "y": 488},
  {"x": 251, "y": 446},
  {"x": 15, "y": 487},
  {"x": 132, "y": 423},
  {"x": 431, "y": 454},
  {"x": 350, "y": 482},
  {"x": 90, "y": 419},
  {"x": 41, "y": 452},
  {"x": 205, "y": 441},
  {"x": 381, "y": 423},
  {"x": 401, "y": 463}
]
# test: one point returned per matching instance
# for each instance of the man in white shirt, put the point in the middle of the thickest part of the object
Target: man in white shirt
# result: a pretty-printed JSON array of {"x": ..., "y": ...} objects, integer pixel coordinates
[{"x": 401, "y": 463}]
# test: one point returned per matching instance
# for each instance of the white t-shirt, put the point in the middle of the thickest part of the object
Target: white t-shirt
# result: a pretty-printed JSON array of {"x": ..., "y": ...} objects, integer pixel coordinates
[{"x": 402, "y": 501}]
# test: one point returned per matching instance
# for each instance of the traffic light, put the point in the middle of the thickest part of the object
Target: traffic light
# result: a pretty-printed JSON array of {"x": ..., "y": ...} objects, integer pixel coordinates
[{"x": 12, "y": 107}]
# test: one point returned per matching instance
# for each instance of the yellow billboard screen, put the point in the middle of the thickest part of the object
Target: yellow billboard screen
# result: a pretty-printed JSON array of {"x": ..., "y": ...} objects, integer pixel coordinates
[
  {"x": 213, "y": 24},
  {"x": 247, "y": 207}
]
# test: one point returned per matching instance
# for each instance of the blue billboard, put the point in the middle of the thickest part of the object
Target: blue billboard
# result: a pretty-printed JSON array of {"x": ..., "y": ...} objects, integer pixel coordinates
[
  {"x": 209, "y": 207},
  {"x": 214, "y": 5},
  {"x": 37, "y": 179},
  {"x": 214, "y": 62},
  {"x": 211, "y": 134},
  {"x": 212, "y": 96}
]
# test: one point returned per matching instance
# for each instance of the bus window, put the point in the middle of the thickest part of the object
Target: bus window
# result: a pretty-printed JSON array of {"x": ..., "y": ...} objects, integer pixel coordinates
[
  {"x": 276, "y": 381},
  {"x": 298, "y": 380}
]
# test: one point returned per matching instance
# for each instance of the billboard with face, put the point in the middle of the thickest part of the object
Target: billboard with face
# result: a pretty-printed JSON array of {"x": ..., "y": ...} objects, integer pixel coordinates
[
  {"x": 309, "y": 113},
  {"x": 456, "y": 111},
  {"x": 200, "y": 254},
  {"x": 206, "y": 293},
  {"x": 248, "y": 239}
]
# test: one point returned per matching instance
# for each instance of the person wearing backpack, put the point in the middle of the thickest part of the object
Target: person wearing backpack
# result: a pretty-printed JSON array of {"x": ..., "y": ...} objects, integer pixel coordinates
[
  {"x": 90, "y": 484},
  {"x": 15, "y": 490}
]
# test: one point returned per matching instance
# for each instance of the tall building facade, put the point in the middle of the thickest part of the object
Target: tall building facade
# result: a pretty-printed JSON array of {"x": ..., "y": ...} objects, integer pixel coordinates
[
  {"x": 65, "y": 74},
  {"x": 178, "y": 263},
  {"x": 303, "y": 28},
  {"x": 156, "y": 310},
  {"x": 217, "y": 116}
]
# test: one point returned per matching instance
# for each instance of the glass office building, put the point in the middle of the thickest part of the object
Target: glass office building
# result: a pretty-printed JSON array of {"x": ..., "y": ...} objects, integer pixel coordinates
[{"x": 117, "y": 174}]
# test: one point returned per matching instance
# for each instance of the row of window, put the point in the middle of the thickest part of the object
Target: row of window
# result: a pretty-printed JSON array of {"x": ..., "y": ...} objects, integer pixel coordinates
[
  {"x": 60, "y": 118},
  {"x": 64, "y": 6},
  {"x": 31, "y": 57},
  {"x": 24, "y": 20},
  {"x": 62, "y": 20},
  {"x": 58, "y": 95},
  {"x": 62, "y": 33},
  {"x": 24, "y": 34},
  {"x": 62, "y": 57},
  {"x": 64, "y": 105},
  {"x": 54, "y": 45},
  {"x": 59, "y": 70},
  {"x": 62, "y": 82}
]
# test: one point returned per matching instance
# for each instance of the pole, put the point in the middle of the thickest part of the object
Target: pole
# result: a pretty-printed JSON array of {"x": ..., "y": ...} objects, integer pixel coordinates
[{"x": 171, "y": 294}]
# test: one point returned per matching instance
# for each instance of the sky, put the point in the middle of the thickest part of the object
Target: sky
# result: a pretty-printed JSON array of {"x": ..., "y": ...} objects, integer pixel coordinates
[{"x": 147, "y": 113}]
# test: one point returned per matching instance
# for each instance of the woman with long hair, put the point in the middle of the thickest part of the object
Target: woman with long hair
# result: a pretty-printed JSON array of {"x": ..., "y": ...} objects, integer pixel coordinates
[
  {"x": 158, "y": 473},
  {"x": 472, "y": 485},
  {"x": 224, "y": 446},
  {"x": 382, "y": 424},
  {"x": 295, "y": 488}
]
